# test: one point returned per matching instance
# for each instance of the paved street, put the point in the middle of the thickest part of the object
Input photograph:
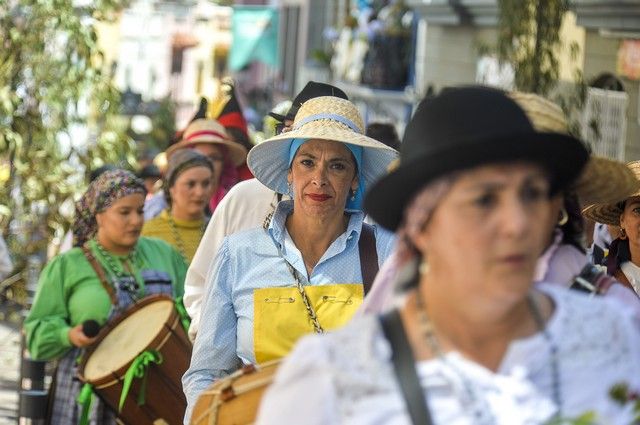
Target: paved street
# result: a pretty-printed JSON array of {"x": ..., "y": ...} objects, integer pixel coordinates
[{"x": 9, "y": 372}]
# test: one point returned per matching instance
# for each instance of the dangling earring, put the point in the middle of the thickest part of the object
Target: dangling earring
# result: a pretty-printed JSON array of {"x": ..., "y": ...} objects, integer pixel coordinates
[
  {"x": 623, "y": 233},
  {"x": 564, "y": 217},
  {"x": 424, "y": 267},
  {"x": 353, "y": 195}
]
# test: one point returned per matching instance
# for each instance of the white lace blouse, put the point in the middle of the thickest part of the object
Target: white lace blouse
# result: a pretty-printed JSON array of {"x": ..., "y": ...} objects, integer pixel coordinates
[{"x": 346, "y": 377}]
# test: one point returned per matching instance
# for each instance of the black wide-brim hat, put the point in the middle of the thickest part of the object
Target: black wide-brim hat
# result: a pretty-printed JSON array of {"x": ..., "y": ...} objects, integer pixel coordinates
[
  {"x": 310, "y": 91},
  {"x": 462, "y": 128}
]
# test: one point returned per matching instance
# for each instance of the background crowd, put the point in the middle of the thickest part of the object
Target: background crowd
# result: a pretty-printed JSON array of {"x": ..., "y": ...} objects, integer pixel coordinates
[{"x": 473, "y": 310}]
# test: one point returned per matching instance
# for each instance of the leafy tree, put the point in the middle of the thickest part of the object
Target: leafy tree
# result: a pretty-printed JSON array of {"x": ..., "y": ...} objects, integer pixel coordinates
[
  {"x": 529, "y": 39},
  {"x": 163, "y": 127},
  {"x": 58, "y": 114}
]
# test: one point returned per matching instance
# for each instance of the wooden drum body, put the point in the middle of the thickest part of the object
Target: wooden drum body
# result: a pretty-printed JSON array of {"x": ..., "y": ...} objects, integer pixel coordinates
[
  {"x": 235, "y": 399},
  {"x": 151, "y": 324}
]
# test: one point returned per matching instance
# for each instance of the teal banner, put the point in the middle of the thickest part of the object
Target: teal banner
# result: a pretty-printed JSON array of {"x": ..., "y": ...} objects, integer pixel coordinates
[{"x": 255, "y": 36}]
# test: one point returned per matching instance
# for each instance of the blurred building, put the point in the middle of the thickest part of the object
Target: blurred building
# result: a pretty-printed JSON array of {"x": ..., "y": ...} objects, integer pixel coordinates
[
  {"x": 605, "y": 31},
  {"x": 169, "y": 48},
  {"x": 310, "y": 33},
  {"x": 446, "y": 50}
]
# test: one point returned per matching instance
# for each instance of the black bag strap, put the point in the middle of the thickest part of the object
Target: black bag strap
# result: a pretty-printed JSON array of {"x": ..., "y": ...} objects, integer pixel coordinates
[
  {"x": 405, "y": 368},
  {"x": 368, "y": 256}
]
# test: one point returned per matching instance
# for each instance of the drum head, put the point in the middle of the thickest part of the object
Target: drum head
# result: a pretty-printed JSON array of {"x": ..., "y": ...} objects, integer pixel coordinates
[{"x": 128, "y": 339}]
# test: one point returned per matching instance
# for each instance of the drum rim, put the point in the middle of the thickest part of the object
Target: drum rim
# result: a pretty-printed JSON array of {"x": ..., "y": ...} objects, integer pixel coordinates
[
  {"x": 157, "y": 343},
  {"x": 213, "y": 393}
]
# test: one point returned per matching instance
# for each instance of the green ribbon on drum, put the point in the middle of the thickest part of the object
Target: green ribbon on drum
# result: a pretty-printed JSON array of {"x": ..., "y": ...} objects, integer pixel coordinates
[
  {"x": 85, "y": 398},
  {"x": 182, "y": 313},
  {"x": 138, "y": 369}
]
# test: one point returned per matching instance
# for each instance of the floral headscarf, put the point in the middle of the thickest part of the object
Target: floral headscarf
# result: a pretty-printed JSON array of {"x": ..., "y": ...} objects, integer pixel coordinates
[{"x": 102, "y": 192}]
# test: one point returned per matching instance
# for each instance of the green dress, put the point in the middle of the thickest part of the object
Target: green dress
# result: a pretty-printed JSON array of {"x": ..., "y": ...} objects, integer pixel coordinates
[{"x": 70, "y": 292}]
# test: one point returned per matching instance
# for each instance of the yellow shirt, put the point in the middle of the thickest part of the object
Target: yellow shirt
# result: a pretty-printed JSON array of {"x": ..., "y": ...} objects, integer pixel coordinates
[{"x": 189, "y": 233}]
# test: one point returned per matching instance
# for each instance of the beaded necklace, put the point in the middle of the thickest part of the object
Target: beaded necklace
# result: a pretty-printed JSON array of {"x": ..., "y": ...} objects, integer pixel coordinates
[
  {"x": 126, "y": 263},
  {"x": 178, "y": 239},
  {"x": 481, "y": 410}
]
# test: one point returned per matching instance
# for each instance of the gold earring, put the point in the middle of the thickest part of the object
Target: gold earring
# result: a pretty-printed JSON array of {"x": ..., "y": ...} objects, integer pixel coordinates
[
  {"x": 564, "y": 217},
  {"x": 623, "y": 233}
]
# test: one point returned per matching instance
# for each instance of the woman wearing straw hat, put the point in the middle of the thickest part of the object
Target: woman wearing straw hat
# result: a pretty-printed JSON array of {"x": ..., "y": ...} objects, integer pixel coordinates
[
  {"x": 623, "y": 261},
  {"x": 602, "y": 181},
  {"x": 246, "y": 206},
  {"x": 304, "y": 272},
  {"x": 208, "y": 137},
  {"x": 475, "y": 342}
]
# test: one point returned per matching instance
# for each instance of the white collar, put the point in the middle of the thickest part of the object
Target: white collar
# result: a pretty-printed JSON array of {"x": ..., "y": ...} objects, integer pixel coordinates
[{"x": 632, "y": 272}]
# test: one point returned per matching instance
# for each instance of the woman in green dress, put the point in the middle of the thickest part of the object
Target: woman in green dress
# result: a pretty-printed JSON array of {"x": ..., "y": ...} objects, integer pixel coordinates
[{"x": 70, "y": 292}]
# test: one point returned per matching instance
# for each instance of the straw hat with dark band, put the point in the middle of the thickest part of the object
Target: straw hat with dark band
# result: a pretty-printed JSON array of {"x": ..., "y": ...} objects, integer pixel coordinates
[
  {"x": 462, "y": 128},
  {"x": 603, "y": 180},
  {"x": 324, "y": 118},
  {"x": 609, "y": 213},
  {"x": 211, "y": 132}
]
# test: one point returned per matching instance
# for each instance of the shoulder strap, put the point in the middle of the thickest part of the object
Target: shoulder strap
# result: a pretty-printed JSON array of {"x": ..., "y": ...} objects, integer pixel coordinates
[
  {"x": 368, "y": 256},
  {"x": 405, "y": 368},
  {"x": 101, "y": 274}
]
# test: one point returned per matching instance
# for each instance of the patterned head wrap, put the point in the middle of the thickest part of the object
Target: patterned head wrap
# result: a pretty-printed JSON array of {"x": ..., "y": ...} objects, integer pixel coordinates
[{"x": 102, "y": 192}]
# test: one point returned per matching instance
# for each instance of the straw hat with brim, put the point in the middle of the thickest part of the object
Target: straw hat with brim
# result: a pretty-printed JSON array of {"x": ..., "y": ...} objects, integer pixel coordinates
[
  {"x": 605, "y": 181},
  {"x": 602, "y": 180},
  {"x": 463, "y": 128},
  {"x": 609, "y": 213},
  {"x": 212, "y": 132},
  {"x": 323, "y": 118}
]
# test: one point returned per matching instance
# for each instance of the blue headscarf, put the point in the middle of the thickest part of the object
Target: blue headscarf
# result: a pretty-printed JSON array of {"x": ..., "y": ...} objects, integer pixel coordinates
[{"x": 356, "y": 151}]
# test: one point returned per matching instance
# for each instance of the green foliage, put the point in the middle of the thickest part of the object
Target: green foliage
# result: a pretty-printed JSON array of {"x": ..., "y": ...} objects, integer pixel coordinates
[
  {"x": 623, "y": 395},
  {"x": 529, "y": 38},
  {"x": 52, "y": 85},
  {"x": 163, "y": 126},
  {"x": 321, "y": 57},
  {"x": 572, "y": 100},
  {"x": 224, "y": 2},
  {"x": 588, "y": 418}
]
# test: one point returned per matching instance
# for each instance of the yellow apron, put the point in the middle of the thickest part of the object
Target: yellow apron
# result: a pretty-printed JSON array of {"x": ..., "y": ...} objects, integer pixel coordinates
[{"x": 280, "y": 317}]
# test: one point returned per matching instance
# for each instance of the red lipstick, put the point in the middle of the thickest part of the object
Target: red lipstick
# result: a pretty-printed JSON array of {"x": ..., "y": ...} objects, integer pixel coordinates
[{"x": 318, "y": 197}]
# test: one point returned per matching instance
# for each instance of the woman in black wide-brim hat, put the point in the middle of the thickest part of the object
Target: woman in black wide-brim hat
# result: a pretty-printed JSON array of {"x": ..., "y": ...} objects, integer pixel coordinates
[{"x": 474, "y": 338}]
